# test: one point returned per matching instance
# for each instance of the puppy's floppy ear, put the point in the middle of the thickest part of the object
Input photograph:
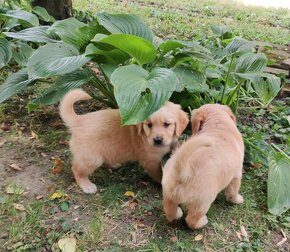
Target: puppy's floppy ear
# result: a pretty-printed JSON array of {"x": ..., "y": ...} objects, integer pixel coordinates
[
  {"x": 230, "y": 113},
  {"x": 182, "y": 121},
  {"x": 197, "y": 119},
  {"x": 139, "y": 127}
]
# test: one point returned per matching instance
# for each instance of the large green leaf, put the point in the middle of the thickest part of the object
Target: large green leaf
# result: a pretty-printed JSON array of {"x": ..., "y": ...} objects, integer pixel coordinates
[
  {"x": 85, "y": 34},
  {"x": 23, "y": 16},
  {"x": 43, "y": 14},
  {"x": 278, "y": 183},
  {"x": 126, "y": 24},
  {"x": 220, "y": 30},
  {"x": 21, "y": 52},
  {"x": 62, "y": 85},
  {"x": 34, "y": 34},
  {"x": 171, "y": 45},
  {"x": 139, "y": 93},
  {"x": 55, "y": 59},
  {"x": 15, "y": 83},
  {"x": 193, "y": 80},
  {"x": 114, "y": 56},
  {"x": 250, "y": 63},
  {"x": 265, "y": 85},
  {"x": 108, "y": 69},
  {"x": 5, "y": 52},
  {"x": 10, "y": 23},
  {"x": 267, "y": 88},
  {"x": 239, "y": 46},
  {"x": 140, "y": 49},
  {"x": 67, "y": 31}
]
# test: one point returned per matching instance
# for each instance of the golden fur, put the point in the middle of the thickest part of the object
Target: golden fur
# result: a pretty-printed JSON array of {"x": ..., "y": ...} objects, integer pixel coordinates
[
  {"x": 98, "y": 138},
  {"x": 208, "y": 162}
]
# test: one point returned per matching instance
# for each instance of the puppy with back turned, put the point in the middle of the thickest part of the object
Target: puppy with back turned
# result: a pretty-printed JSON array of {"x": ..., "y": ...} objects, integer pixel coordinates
[
  {"x": 208, "y": 162},
  {"x": 98, "y": 138}
]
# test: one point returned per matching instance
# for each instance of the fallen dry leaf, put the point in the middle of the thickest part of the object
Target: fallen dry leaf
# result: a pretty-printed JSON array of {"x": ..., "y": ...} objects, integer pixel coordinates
[
  {"x": 133, "y": 237},
  {"x": 33, "y": 135},
  {"x": 38, "y": 197},
  {"x": 173, "y": 239},
  {"x": 244, "y": 232},
  {"x": 198, "y": 237},
  {"x": 140, "y": 225},
  {"x": 63, "y": 142},
  {"x": 19, "y": 207},
  {"x": 133, "y": 205},
  {"x": 57, "y": 195},
  {"x": 144, "y": 183},
  {"x": 256, "y": 165},
  {"x": 5, "y": 126},
  {"x": 67, "y": 244},
  {"x": 239, "y": 235},
  {"x": 16, "y": 167},
  {"x": 121, "y": 243},
  {"x": 129, "y": 194},
  {"x": 2, "y": 143},
  {"x": 76, "y": 207},
  {"x": 58, "y": 166},
  {"x": 14, "y": 189},
  {"x": 43, "y": 154},
  {"x": 42, "y": 180}
]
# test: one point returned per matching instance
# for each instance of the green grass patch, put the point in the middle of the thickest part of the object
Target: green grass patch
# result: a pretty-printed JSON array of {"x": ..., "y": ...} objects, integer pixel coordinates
[{"x": 188, "y": 19}]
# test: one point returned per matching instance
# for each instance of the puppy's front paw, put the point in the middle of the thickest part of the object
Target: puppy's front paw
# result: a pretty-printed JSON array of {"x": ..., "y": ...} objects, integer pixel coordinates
[
  {"x": 89, "y": 187},
  {"x": 237, "y": 199},
  {"x": 179, "y": 213}
]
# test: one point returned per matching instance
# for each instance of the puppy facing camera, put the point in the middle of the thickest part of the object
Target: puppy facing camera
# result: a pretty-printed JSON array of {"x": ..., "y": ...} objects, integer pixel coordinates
[
  {"x": 98, "y": 139},
  {"x": 210, "y": 161}
]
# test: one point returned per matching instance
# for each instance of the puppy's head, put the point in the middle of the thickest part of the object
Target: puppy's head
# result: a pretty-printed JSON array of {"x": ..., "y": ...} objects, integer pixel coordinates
[
  {"x": 199, "y": 116},
  {"x": 165, "y": 125}
]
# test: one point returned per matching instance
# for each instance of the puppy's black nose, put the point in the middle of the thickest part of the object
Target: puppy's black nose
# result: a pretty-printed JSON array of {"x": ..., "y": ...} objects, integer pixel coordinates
[{"x": 158, "y": 140}]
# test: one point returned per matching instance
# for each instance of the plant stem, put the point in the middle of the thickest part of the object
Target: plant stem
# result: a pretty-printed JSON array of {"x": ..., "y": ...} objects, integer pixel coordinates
[
  {"x": 255, "y": 147},
  {"x": 278, "y": 149},
  {"x": 156, "y": 62},
  {"x": 238, "y": 97},
  {"x": 103, "y": 87},
  {"x": 226, "y": 80}
]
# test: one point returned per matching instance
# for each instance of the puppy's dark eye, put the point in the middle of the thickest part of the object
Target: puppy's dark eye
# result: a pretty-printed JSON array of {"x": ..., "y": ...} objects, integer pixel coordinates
[
  {"x": 166, "y": 125},
  {"x": 149, "y": 125}
]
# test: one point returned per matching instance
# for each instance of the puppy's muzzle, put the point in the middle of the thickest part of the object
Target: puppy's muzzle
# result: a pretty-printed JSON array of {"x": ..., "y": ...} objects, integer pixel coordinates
[{"x": 158, "y": 141}]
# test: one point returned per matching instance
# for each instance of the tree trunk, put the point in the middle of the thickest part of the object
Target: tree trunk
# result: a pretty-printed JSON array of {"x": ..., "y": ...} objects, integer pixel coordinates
[{"x": 59, "y": 9}]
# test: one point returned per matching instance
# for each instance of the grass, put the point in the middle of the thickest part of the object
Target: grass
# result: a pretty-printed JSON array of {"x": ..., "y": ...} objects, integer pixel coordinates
[
  {"x": 189, "y": 19},
  {"x": 111, "y": 221}
]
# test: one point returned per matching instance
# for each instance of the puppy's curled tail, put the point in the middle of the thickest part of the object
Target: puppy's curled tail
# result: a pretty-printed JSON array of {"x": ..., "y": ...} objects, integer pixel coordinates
[{"x": 66, "y": 108}]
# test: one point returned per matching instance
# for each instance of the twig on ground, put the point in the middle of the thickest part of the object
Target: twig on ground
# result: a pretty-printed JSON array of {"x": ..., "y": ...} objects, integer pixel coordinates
[
  {"x": 283, "y": 240},
  {"x": 110, "y": 231},
  {"x": 232, "y": 244}
]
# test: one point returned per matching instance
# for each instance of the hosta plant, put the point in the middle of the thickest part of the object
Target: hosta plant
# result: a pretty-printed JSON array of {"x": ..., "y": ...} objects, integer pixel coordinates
[{"x": 127, "y": 66}]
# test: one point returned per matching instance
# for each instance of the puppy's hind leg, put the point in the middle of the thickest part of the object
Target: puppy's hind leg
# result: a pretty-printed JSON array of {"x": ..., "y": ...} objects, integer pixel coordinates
[
  {"x": 171, "y": 209},
  {"x": 81, "y": 173},
  {"x": 232, "y": 191},
  {"x": 196, "y": 217}
]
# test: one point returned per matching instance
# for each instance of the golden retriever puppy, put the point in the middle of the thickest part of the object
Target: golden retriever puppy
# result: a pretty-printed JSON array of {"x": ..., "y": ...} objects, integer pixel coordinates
[
  {"x": 208, "y": 162},
  {"x": 98, "y": 139}
]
